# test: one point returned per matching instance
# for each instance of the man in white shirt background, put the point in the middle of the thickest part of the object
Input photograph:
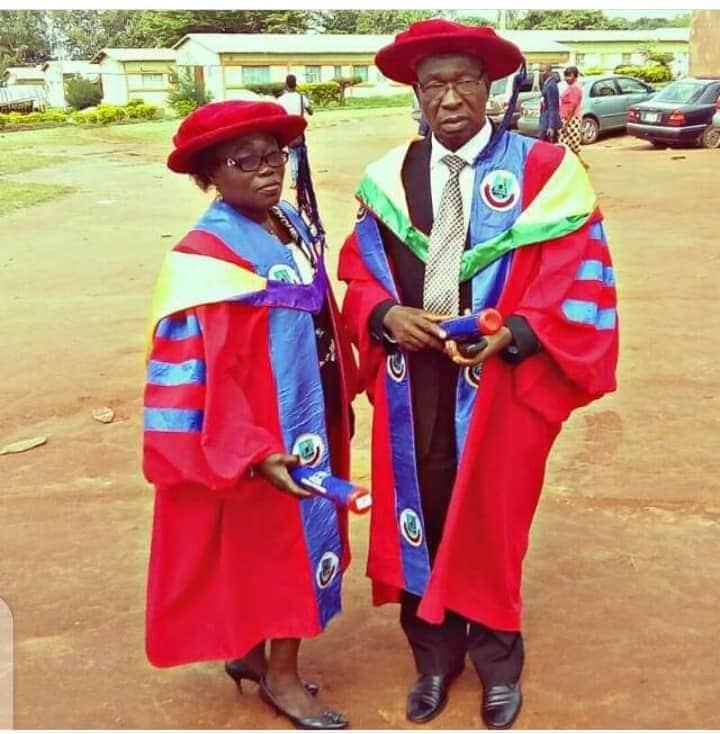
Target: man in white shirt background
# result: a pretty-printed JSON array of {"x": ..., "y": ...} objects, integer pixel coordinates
[{"x": 295, "y": 103}]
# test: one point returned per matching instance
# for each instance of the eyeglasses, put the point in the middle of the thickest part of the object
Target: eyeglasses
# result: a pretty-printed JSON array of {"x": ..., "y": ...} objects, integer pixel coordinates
[
  {"x": 437, "y": 90},
  {"x": 249, "y": 163}
]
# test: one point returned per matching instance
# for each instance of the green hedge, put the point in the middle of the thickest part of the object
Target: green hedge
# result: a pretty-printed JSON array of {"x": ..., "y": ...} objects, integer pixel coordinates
[
  {"x": 648, "y": 73},
  {"x": 322, "y": 94},
  {"x": 103, "y": 114}
]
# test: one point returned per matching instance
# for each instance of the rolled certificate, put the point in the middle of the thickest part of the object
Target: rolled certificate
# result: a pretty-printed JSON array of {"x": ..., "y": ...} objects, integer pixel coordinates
[
  {"x": 473, "y": 327},
  {"x": 341, "y": 492}
]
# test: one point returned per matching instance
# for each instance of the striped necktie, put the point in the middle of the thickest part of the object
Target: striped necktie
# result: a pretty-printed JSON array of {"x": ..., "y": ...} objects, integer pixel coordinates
[{"x": 441, "y": 288}]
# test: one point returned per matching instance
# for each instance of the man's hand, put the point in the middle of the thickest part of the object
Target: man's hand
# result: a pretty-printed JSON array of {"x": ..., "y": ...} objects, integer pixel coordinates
[
  {"x": 495, "y": 343},
  {"x": 414, "y": 329},
  {"x": 550, "y": 134},
  {"x": 274, "y": 469}
]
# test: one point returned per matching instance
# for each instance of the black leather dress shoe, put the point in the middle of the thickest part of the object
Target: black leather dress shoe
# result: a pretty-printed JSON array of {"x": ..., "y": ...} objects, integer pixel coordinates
[
  {"x": 501, "y": 705},
  {"x": 428, "y": 696},
  {"x": 328, "y": 719},
  {"x": 239, "y": 671}
]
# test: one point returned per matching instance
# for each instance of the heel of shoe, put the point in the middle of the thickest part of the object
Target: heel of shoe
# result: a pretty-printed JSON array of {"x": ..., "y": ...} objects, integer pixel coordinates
[{"x": 237, "y": 678}]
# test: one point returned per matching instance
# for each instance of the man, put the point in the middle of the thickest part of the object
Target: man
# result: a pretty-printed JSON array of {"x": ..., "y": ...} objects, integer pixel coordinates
[
  {"x": 550, "y": 122},
  {"x": 294, "y": 103},
  {"x": 469, "y": 217}
]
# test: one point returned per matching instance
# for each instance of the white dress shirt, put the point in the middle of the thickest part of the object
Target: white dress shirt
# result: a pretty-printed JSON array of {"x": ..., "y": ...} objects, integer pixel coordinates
[{"x": 440, "y": 173}]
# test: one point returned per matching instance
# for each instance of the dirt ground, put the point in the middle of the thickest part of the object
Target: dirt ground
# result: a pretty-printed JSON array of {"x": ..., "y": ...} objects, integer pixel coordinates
[{"x": 622, "y": 578}]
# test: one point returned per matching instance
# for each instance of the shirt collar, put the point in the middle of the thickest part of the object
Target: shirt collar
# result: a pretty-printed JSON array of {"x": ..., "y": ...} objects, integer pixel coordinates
[{"x": 468, "y": 152}]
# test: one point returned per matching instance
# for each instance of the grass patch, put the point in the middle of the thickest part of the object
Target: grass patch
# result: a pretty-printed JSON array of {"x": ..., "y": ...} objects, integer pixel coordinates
[
  {"x": 17, "y": 162},
  {"x": 14, "y": 195},
  {"x": 380, "y": 101}
]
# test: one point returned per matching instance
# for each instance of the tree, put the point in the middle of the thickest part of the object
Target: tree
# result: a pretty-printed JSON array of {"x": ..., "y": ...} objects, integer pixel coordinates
[
  {"x": 82, "y": 33},
  {"x": 167, "y": 27},
  {"x": 23, "y": 38},
  {"x": 368, "y": 21},
  {"x": 575, "y": 20},
  {"x": 81, "y": 93}
]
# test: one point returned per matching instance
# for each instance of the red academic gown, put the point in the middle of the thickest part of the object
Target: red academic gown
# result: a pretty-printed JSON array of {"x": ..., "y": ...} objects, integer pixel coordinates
[
  {"x": 229, "y": 565},
  {"x": 516, "y": 418}
]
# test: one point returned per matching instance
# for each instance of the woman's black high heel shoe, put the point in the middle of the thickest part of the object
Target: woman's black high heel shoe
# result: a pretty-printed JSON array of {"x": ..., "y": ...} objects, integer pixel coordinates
[
  {"x": 328, "y": 719},
  {"x": 239, "y": 670}
]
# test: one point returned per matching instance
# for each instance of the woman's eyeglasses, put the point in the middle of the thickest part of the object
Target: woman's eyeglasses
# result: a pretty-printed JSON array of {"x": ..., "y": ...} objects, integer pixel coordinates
[{"x": 249, "y": 163}]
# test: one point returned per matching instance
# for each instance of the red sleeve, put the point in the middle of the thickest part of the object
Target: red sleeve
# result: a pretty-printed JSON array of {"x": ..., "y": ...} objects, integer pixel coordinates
[
  {"x": 571, "y": 306},
  {"x": 209, "y": 385},
  {"x": 363, "y": 294}
]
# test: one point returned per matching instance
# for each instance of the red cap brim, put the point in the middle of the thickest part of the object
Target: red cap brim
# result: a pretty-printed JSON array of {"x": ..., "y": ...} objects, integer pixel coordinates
[
  {"x": 399, "y": 60},
  {"x": 283, "y": 128}
]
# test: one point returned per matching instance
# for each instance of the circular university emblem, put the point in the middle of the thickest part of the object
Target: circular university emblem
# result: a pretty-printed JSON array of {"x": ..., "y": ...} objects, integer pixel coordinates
[
  {"x": 411, "y": 527},
  {"x": 472, "y": 375},
  {"x": 396, "y": 366},
  {"x": 283, "y": 273},
  {"x": 500, "y": 190},
  {"x": 310, "y": 448},
  {"x": 326, "y": 569}
]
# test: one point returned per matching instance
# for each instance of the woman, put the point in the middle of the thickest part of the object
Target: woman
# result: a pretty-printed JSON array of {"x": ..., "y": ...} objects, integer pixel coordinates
[
  {"x": 571, "y": 113},
  {"x": 247, "y": 375}
]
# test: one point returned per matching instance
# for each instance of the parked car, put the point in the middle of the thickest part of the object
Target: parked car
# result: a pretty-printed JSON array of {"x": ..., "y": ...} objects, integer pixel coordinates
[
  {"x": 606, "y": 100},
  {"x": 716, "y": 117},
  {"x": 501, "y": 91},
  {"x": 680, "y": 113}
]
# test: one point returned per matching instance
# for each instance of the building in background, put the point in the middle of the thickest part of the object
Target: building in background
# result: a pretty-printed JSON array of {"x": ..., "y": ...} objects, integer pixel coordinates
[
  {"x": 607, "y": 49},
  {"x": 228, "y": 62},
  {"x": 58, "y": 73},
  {"x": 136, "y": 73},
  {"x": 23, "y": 75}
]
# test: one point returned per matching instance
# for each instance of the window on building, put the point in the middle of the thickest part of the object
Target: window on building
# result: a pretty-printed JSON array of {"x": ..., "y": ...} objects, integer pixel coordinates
[
  {"x": 626, "y": 59},
  {"x": 256, "y": 75},
  {"x": 580, "y": 60},
  {"x": 337, "y": 72},
  {"x": 361, "y": 71},
  {"x": 153, "y": 81},
  {"x": 146, "y": 81},
  {"x": 312, "y": 75}
]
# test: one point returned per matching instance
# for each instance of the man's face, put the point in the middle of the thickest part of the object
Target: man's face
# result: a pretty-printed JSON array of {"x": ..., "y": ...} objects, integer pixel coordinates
[
  {"x": 544, "y": 71},
  {"x": 453, "y": 91}
]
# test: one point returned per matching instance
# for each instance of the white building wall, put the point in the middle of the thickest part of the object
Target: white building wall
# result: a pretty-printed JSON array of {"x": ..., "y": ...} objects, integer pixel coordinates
[
  {"x": 192, "y": 54},
  {"x": 114, "y": 82}
]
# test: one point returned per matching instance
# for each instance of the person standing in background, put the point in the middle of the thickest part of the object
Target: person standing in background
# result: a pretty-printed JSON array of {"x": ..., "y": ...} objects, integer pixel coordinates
[
  {"x": 294, "y": 103},
  {"x": 571, "y": 113},
  {"x": 550, "y": 122}
]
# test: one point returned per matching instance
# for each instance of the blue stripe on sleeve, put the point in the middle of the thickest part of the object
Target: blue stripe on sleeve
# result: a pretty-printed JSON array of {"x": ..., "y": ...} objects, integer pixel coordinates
[
  {"x": 177, "y": 328},
  {"x": 169, "y": 374},
  {"x": 597, "y": 232},
  {"x": 608, "y": 276},
  {"x": 583, "y": 312},
  {"x": 606, "y": 319},
  {"x": 175, "y": 420},
  {"x": 590, "y": 270}
]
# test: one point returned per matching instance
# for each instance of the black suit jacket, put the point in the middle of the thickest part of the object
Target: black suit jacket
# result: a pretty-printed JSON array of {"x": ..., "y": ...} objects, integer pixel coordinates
[{"x": 433, "y": 377}]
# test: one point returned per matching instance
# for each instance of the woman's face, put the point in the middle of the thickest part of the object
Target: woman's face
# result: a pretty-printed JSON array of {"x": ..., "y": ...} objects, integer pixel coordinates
[
  {"x": 252, "y": 192},
  {"x": 570, "y": 78}
]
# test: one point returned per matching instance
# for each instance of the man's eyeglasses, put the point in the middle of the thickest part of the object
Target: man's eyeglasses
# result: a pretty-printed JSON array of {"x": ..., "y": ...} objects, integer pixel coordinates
[
  {"x": 249, "y": 163},
  {"x": 437, "y": 90}
]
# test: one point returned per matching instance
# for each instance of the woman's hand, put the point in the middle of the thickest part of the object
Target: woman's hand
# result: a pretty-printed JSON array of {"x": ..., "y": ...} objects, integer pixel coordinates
[{"x": 275, "y": 469}]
